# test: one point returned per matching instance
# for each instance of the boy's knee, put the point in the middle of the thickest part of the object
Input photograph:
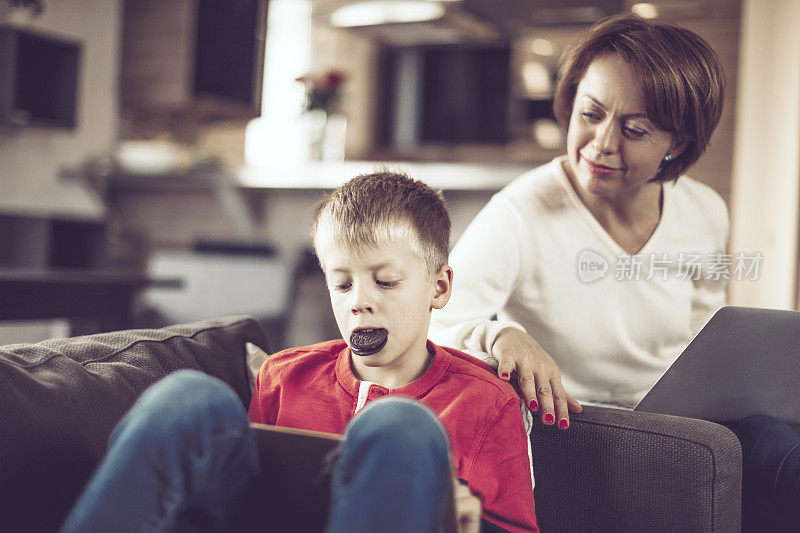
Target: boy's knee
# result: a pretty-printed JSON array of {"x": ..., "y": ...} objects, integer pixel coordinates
[
  {"x": 757, "y": 422},
  {"x": 763, "y": 436},
  {"x": 750, "y": 428},
  {"x": 191, "y": 398},
  {"x": 402, "y": 422}
]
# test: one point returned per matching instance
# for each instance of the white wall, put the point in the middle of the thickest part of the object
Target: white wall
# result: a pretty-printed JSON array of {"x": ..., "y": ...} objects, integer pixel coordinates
[
  {"x": 31, "y": 159},
  {"x": 766, "y": 180}
]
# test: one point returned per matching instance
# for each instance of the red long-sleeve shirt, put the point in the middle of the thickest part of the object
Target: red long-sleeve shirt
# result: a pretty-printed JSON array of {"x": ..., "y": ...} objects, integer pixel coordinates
[{"x": 314, "y": 388}]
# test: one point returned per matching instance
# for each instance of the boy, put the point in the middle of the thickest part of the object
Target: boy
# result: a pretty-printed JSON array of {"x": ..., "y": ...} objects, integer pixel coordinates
[
  {"x": 181, "y": 460},
  {"x": 382, "y": 241}
]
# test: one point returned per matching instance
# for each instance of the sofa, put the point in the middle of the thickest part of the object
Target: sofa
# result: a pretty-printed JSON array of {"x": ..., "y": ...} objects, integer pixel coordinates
[{"x": 611, "y": 471}]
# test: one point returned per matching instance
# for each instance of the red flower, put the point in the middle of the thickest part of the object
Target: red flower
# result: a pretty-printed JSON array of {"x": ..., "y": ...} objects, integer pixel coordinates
[
  {"x": 333, "y": 78},
  {"x": 322, "y": 90}
]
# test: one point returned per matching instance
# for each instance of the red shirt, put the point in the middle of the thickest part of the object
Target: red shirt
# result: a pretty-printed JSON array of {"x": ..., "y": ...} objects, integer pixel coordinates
[{"x": 313, "y": 387}]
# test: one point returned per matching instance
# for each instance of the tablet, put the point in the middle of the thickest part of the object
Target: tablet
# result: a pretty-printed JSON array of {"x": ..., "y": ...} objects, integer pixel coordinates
[
  {"x": 745, "y": 361},
  {"x": 297, "y": 467}
]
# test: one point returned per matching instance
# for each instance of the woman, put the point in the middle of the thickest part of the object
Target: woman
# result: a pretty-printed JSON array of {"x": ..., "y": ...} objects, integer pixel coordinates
[{"x": 602, "y": 264}]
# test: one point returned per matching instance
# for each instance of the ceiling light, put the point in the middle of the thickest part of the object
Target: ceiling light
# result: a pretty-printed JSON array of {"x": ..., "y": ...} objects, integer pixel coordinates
[
  {"x": 386, "y": 12},
  {"x": 536, "y": 78},
  {"x": 547, "y": 134},
  {"x": 543, "y": 47},
  {"x": 648, "y": 11}
]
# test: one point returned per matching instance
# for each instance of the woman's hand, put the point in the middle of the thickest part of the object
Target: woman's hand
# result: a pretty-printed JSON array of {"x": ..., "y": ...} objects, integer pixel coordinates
[
  {"x": 468, "y": 508},
  {"x": 538, "y": 376}
]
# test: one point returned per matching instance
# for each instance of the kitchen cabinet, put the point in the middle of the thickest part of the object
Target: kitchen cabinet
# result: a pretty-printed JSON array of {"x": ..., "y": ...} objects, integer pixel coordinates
[{"x": 202, "y": 57}]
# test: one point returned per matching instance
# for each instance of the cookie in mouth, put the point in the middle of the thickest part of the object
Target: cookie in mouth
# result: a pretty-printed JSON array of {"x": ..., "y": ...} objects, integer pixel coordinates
[{"x": 368, "y": 341}]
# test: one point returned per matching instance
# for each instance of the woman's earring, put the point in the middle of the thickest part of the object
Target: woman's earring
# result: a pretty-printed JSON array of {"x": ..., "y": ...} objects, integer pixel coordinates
[{"x": 668, "y": 157}]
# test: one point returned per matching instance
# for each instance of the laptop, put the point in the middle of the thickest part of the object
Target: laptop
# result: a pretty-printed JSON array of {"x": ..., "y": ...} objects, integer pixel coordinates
[
  {"x": 745, "y": 361},
  {"x": 298, "y": 467}
]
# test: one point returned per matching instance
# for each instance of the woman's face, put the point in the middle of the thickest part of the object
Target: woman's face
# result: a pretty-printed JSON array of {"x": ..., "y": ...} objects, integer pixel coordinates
[{"x": 613, "y": 148}]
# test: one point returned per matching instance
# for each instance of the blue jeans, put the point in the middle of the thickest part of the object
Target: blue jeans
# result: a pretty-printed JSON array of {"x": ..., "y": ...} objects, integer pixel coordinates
[
  {"x": 184, "y": 459},
  {"x": 770, "y": 474}
]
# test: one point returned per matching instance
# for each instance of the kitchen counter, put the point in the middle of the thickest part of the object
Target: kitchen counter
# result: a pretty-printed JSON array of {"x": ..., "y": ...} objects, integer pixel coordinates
[
  {"x": 275, "y": 204},
  {"x": 446, "y": 176},
  {"x": 329, "y": 175}
]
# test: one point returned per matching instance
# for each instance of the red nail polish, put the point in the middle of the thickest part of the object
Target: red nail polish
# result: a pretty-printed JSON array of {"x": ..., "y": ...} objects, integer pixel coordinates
[
  {"x": 563, "y": 424},
  {"x": 534, "y": 405},
  {"x": 548, "y": 419},
  {"x": 504, "y": 375}
]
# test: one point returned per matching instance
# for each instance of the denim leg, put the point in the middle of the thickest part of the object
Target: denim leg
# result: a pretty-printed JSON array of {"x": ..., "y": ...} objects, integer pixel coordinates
[
  {"x": 180, "y": 460},
  {"x": 771, "y": 474},
  {"x": 392, "y": 472}
]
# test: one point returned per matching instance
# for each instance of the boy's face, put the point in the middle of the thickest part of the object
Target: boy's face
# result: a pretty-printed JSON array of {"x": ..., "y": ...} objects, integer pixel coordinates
[{"x": 385, "y": 296}]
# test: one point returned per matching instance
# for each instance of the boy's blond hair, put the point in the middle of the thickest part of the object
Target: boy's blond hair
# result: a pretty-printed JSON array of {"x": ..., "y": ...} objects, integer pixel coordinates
[{"x": 371, "y": 210}]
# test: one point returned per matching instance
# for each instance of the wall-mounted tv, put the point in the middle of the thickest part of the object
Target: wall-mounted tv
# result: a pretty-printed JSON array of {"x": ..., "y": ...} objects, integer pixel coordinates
[
  {"x": 38, "y": 79},
  {"x": 445, "y": 94}
]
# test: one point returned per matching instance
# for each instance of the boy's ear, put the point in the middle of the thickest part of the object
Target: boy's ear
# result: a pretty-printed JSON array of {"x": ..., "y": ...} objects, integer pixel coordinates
[{"x": 443, "y": 287}]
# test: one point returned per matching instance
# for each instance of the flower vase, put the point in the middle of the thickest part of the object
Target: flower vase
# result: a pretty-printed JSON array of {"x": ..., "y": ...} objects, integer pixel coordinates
[
  {"x": 326, "y": 135},
  {"x": 333, "y": 138},
  {"x": 316, "y": 119}
]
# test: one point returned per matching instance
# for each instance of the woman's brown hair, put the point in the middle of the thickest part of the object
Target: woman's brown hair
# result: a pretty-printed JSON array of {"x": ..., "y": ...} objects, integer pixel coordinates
[{"x": 682, "y": 79}]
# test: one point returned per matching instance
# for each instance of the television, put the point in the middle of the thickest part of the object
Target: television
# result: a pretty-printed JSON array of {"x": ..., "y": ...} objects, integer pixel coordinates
[
  {"x": 444, "y": 94},
  {"x": 229, "y": 54},
  {"x": 38, "y": 79}
]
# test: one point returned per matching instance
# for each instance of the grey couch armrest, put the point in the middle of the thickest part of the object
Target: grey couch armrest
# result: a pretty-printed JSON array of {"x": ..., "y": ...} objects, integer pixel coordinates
[{"x": 617, "y": 470}]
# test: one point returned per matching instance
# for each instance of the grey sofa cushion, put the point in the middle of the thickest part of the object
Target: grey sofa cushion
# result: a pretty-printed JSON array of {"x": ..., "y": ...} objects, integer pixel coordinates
[
  {"x": 621, "y": 471},
  {"x": 62, "y": 398}
]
